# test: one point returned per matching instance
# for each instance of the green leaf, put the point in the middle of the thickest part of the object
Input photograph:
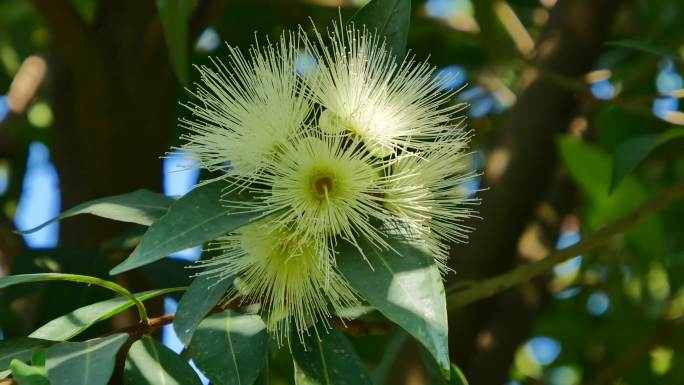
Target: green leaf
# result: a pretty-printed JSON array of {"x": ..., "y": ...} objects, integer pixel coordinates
[
  {"x": 19, "y": 348},
  {"x": 28, "y": 375},
  {"x": 175, "y": 15},
  {"x": 83, "y": 363},
  {"x": 590, "y": 167},
  {"x": 435, "y": 376},
  {"x": 630, "y": 153},
  {"x": 406, "y": 288},
  {"x": 193, "y": 219},
  {"x": 388, "y": 18},
  {"x": 646, "y": 46},
  {"x": 392, "y": 349},
  {"x": 150, "y": 363},
  {"x": 230, "y": 348},
  {"x": 330, "y": 360},
  {"x": 86, "y": 9},
  {"x": 72, "y": 324},
  {"x": 141, "y": 207},
  {"x": 45, "y": 277},
  {"x": 203, "y": 294}
]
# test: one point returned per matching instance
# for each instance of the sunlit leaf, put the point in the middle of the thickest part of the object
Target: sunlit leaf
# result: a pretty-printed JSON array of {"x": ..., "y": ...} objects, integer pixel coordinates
[
  {"x": 230, "y": 348},
  {"x": 25, "y": 374},
  {"x": 406, "y": 288},
  {"x": 83, "y": 363},
  {"x": 72, "y": 324},
  {"x": 150, "y": 363},
  {"x": 141, "y": 207},
  {"x": 193, "y": 219},
  {"x": 330, "y": 360}
]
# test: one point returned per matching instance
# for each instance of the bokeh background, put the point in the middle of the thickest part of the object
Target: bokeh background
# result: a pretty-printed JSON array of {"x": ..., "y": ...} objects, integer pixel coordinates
[{"x": 88, "y": 106}]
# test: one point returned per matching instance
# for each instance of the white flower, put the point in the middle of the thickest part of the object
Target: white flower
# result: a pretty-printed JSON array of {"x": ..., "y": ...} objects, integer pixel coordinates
[
  {"x": 291, "y": 280},
  {"x": 246, "y": 109},
  {"x": 390, "y": 106}
]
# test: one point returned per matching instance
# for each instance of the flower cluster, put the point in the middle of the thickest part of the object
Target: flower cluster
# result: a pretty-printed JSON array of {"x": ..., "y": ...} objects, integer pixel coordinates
[{"x": 358, "y": 149}]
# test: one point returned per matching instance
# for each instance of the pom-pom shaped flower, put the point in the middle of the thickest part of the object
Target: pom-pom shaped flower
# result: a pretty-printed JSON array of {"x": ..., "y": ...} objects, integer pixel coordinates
[
  {"x": 246, "y": 109},
  {"x": 390, "y": 106},
  {"x": 290, "y": 278},
  {"x": 360, "y": 150},
  {"x": 427, "y": 195}
]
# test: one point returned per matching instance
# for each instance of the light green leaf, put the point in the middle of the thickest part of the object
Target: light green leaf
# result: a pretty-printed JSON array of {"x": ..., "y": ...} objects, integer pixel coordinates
[
  {"x": 18, "y": 348},
  {"x": 150, "y": 363},
  {"x": 72, "y": 324},
  {"x": 590, "y": 167},
  {"x": 83, "y": 363},
  {"x": 328, "y": 361},
  {"x": 646, "y": 46},
  {"x": 175, "y": 15},
  {"x": 28, "y": 375},
  {"x": 142, "y": 207},
  {"x": 203, "y": 294},
  {"x": 230, "y": 348},
  {"x": 46, "y": 277},
  {"x": 388, "y": 18},
  {"x": 193, "y": 219},
  {"x": 630, "y": 153},
  {"x": 406, "y": 288}
]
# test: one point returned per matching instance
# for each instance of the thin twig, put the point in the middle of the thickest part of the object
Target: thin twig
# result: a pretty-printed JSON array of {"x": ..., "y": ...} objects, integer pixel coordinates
[{"x": 492, "y": 286}]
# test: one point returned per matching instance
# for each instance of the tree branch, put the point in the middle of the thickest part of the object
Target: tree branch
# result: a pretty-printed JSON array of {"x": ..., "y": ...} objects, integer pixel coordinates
[{"x": 490, "y": 287}]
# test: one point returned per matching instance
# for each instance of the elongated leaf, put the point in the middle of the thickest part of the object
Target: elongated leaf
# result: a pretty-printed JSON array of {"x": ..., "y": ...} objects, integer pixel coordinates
[
  {"x": 150, "y": 363},
  {"x": 630, "y": 153},
  {"x": 646, "y": 46},
  {"x": 388, "y": 18},
  {"x": 230, "y": 348},
  {"x": 590, "y": 167},
  {"x": 392, "y": 349},
  {"x": 195, "y": 218},
  {"x": 406, "y": 288},
  {"x": 83, "y": 363},
  {"x": 203, "y": 294},
  {"x": 142, "y": 207},
  {"x": 174, "y": 16},
  {"x": 19, "y": 348},
  {"x": 28, "y": 375},
  {"x": 436, "y": 378},
  {"x": 70, "y": 325},
  {"x": 328, "y": 361}
]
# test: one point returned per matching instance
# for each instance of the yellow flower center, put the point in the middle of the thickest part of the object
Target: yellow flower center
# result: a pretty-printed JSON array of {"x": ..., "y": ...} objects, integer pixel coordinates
[{"x": 323, "y": 186}]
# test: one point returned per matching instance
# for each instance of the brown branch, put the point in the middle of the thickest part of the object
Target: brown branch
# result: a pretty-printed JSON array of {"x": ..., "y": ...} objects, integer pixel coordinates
[{"x": 490, "y": 287}]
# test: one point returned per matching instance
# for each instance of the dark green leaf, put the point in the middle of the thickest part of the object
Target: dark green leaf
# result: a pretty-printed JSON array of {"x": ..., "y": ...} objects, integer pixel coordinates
[
  {"x": 590, "y": 167},
  {"x": 230, "y": 348},
  {"x": 646, "y": 46},
  {"x": 86, "y": 9},
  {"x": 391, "y": 351},
  {"x": 330, "y": 360},
  {"x": 19, "y": 348},
  {"x": 406, "y": 288},
  {"x": 150, "y": 363},
  {"x": 83, "y": 363},
  {"x": 28, "y": 375},
  {"x": 388, "y": 18},
  {"x": 631, "y": 152},
  {"x": 69, "y": 325},
  {"x": 175, "y": 16},
  {"x": 195, "y": 218},
  {"x": 201, "y": 297},
  {"x": 435, "y": 376},
  {"x": 142, "y": 207}
]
